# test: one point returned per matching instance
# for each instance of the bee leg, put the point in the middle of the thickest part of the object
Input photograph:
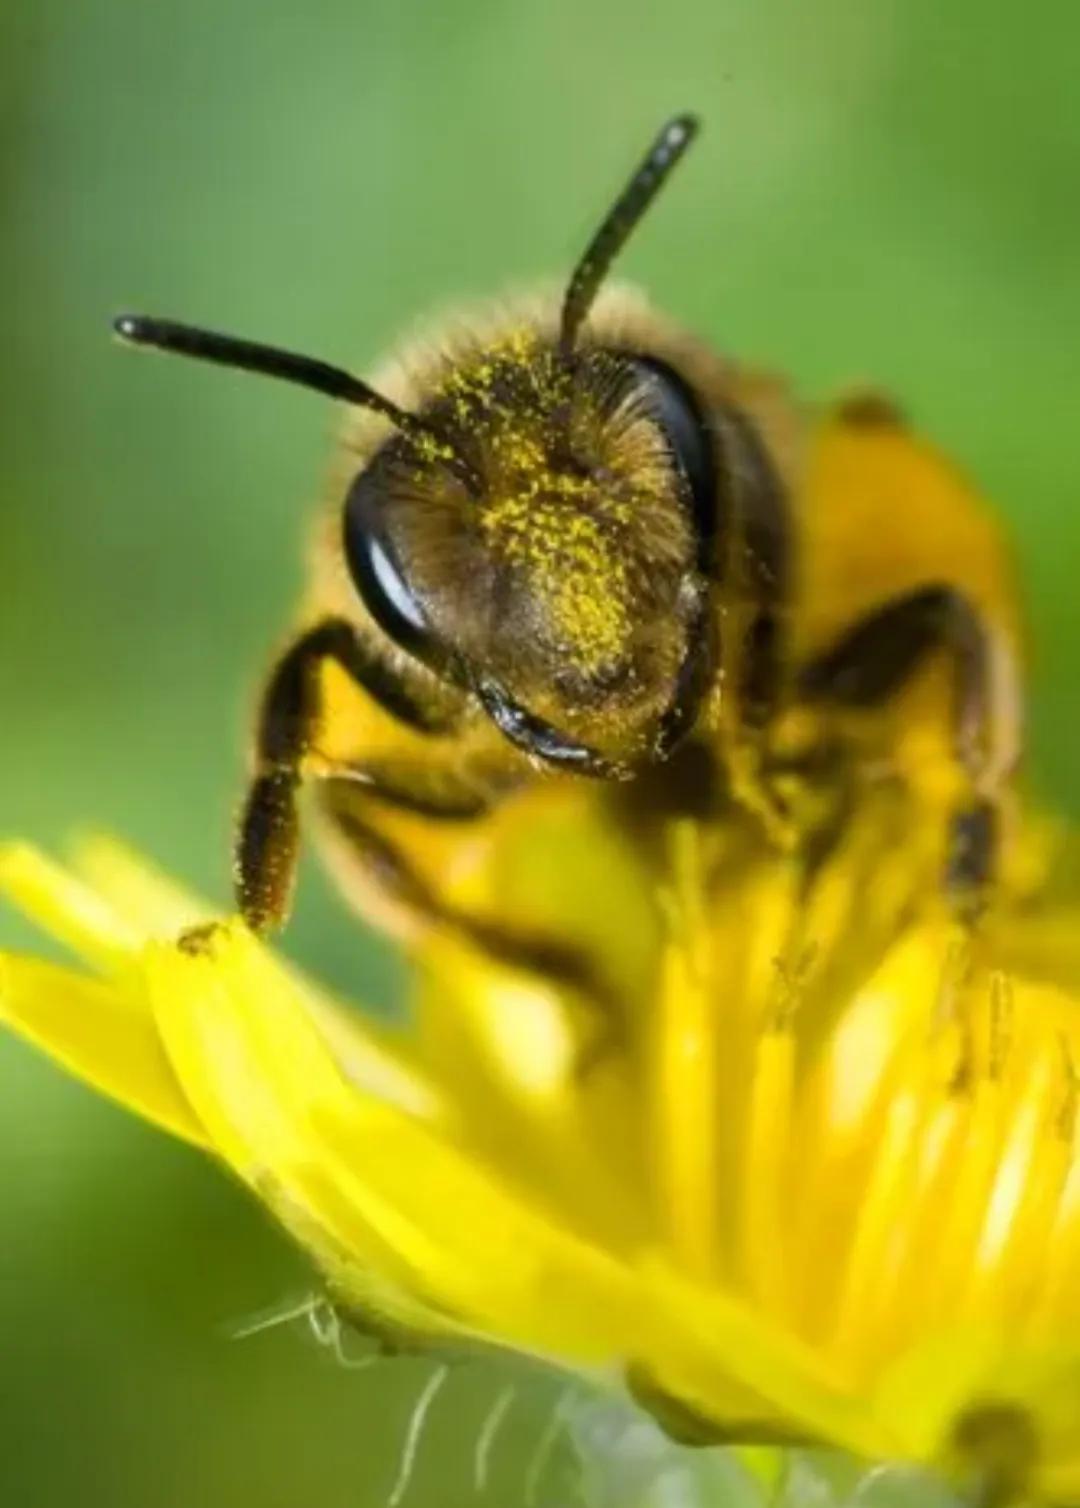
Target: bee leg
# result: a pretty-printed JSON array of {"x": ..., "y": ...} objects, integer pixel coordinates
[
  {"x": 758, "y": 698},
  {"x": 268, "y": 835},
  {"x": 762, "y": 574},
  {"x": 971, "y": 858},
  {"x": 352, "y": 809},
  {"x": 376, "y": 867},
  {"x": 881, "y": 652}
]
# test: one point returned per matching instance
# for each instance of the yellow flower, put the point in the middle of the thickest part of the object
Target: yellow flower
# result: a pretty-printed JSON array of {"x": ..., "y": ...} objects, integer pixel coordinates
[{"x": 813, "y": 1176}]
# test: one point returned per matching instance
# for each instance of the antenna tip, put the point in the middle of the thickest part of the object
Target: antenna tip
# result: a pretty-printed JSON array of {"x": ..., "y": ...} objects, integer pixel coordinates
[
  {"x": 682, "y": 129},
  {"x": 127, "y": 327}
]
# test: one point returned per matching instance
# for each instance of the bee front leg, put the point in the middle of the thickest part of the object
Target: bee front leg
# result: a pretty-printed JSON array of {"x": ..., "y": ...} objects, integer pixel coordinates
[{"x": 267, "y": 841}]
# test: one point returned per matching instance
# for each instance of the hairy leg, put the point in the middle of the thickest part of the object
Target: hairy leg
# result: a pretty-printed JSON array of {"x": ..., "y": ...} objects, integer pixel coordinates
[
  {"x": 382, "y": 861},
  {"x": 268, "y": 834}
]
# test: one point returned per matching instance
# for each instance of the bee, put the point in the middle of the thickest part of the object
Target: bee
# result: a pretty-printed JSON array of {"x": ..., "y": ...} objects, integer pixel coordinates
[{"x": 571, "y": 548}]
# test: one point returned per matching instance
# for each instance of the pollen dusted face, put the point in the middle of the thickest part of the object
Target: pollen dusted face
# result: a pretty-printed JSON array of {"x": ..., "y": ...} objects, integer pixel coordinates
[
  {"x": 561, "y": 571},
  {"x": 537, "y": 531}
]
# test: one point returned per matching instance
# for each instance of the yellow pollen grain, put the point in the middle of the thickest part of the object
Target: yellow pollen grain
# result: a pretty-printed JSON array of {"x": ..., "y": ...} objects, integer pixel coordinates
[
  {"x": 580, "y": 579},
  {"x": 560, "y": 528}
]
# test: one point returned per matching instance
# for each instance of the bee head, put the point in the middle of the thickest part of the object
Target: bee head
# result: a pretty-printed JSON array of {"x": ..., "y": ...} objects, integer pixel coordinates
[
  {"x": 541, "y": 540},
  {"x": 538, "y": 530}
]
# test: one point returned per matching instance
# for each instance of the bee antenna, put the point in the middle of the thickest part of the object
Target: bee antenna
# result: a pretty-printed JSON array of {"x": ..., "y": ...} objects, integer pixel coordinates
[
  {"x": 288, "y": 366},
  {"x": 620, "y": 221}
]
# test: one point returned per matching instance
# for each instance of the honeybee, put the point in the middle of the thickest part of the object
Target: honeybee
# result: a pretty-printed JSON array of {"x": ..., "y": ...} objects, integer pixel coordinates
[{"x": 571, "y": 547}]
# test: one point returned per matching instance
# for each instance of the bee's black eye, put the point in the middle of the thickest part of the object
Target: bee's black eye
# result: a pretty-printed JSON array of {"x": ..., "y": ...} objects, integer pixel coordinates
[
  {"x": 378, "y": 574},
  {"x": 678, "y": 414}
]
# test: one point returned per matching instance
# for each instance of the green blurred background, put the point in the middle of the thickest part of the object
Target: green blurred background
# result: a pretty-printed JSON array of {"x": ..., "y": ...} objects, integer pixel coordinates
[{"x": 885, "y": 191}]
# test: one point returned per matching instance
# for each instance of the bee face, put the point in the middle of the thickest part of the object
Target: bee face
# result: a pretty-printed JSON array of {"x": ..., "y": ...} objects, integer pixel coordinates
[
  {"x": 536, "y": 528},
  {"x": 558, "y": 562}
]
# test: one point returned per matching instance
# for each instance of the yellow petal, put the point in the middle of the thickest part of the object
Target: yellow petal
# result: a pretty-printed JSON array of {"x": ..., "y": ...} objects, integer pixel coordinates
[
  {"x": 556, "y": 1132},
  {"x": 146, "y": 900},
  {"x": 714, "y": 1346},
  {"x": 67, "y": 909},
  {"x": 379, "y": 1183},
  {"x": 959, "y": 1372},
  {"x": 486, "y": 1254},
  {"x": 255, "y": 1064},
  {"x": 102, "y": 1034}
]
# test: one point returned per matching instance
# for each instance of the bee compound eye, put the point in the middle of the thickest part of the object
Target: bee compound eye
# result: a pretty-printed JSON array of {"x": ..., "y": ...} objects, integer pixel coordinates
[
  {"x": 378, "y": 574},
  {"x": 677, "y": 412}
]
